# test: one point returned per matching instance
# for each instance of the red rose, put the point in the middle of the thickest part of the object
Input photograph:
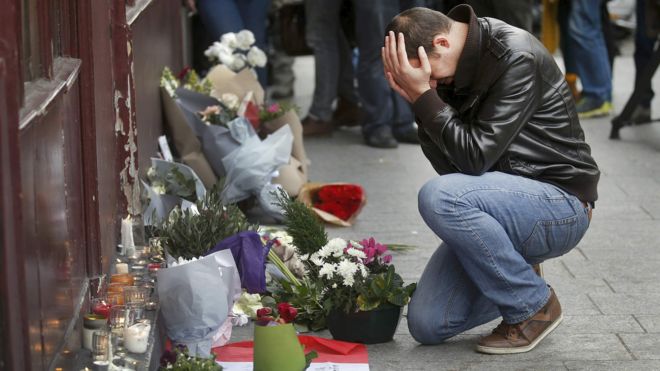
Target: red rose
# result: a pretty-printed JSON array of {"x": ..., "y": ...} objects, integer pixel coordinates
[
  {"x": 287, "y": 312},
  {"x": 263, "y": 312}
]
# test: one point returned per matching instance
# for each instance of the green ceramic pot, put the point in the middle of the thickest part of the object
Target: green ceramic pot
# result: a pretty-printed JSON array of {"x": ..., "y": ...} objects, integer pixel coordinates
[
  {"x": 276, "y": 348},
  {"x": 371, "y": 327}
]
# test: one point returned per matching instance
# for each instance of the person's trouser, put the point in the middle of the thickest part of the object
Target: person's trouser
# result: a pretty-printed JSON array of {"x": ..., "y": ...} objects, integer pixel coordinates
[
  {"x": 583, "y": 46},
  {"x": 643, "y": 51},
  {"x": 380, "y": 104},
  {"x": 493, "y": 227},
  {"x": 222, "y": 16},
  {"x": 332, "y": 57}
]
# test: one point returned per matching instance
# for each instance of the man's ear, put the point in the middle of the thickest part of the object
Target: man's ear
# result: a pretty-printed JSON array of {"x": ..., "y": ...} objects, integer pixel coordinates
[{"x": 440, "y": 41}]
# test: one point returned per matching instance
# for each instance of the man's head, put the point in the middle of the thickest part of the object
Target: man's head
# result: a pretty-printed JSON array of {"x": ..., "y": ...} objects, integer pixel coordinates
[{"x": 437, "y": 33}]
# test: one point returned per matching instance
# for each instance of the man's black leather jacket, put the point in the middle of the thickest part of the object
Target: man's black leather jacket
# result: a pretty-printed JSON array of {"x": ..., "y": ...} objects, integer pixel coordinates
[{"x": 509, "y": 109}]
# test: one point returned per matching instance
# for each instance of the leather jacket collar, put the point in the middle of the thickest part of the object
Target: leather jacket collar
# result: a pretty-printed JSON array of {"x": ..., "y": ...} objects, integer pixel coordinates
[{"x": 469, "y": 59}]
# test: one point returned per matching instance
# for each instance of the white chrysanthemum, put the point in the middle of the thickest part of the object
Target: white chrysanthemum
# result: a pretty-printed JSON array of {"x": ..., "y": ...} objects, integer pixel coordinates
[
  {"x": 256, "y": 57},
  {"x": 327, "y": 270},
  {"x": 304, "y": 257},
  {"x": 363, "y": 270},
  {"x": 347, "y": 270},
  {"x": 334, "y": 247},
  {"x": 316, "y": 259},
  {"x": 245, "y": 39},
  {"x": 229, "y": 39},
  {"x": 355, "y": 252},
  {"x": 230, "y": 100}
]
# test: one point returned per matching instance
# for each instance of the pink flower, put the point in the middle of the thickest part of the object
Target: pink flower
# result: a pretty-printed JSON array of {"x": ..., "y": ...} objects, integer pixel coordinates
[
  {"x": 387, "y": 259},
  {"x": 273, "y": 108}
]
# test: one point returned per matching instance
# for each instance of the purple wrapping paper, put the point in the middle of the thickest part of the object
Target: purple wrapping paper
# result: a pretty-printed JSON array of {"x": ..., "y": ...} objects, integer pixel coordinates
[{"x": 250, "y": 254}]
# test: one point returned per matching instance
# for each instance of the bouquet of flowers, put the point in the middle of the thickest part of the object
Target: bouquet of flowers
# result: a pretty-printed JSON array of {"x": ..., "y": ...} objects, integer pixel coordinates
[
  {"x": 179, "y": 360},
  {"x": 236, "y": 51},
  {"x": 341, "y": 276},
  {"x": 335, "y": 203}
]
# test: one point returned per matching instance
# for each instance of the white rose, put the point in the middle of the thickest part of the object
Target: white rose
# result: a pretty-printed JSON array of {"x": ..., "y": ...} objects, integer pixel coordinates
[
  {"x": 230, "y": 100},
  {"x": 256, "y": 57},
  {"x": 238, "y": 63},
  {"x": 229, "y": 40},
  {"x": 245, "y": 39}
]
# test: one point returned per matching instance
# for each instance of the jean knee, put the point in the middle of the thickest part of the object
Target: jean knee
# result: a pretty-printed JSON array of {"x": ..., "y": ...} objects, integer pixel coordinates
[
  {"x": 437, "y": 196},
  {"x": 426, "y": 327}
]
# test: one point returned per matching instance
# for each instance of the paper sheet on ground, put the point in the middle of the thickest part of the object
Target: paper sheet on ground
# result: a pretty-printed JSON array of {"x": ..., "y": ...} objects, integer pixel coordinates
[{"x": 333, "y": 355}]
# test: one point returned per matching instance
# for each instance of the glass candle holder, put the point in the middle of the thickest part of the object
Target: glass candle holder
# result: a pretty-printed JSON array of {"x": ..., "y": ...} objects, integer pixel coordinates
[
  {"x": 136, "y": 332},
  {"x": 101, "y": 347},
  {"x": 117, "y": 320},
  {"x": 125, "y": 279},
  {"x": 92, "y": 323},
  {"x": 136, "y": 294},
  {"x": 100, "y": 306}
]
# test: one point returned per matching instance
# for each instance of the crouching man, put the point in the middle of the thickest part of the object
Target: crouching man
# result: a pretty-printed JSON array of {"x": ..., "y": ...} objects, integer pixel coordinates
[{"x": 517, "y": 181}]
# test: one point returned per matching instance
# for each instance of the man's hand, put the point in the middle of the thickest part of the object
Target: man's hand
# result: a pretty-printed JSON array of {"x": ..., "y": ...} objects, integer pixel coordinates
[{"x": 408, "y": 81}]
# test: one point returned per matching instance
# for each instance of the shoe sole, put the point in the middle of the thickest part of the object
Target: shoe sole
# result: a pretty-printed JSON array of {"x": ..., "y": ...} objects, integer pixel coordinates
[
  {"x": 527, "y": 348},
  {"x": 602, "y": 111}
]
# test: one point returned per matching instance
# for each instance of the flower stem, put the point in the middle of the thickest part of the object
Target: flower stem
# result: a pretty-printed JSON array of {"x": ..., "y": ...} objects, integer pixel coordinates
[{"x": 272, "y": 256}]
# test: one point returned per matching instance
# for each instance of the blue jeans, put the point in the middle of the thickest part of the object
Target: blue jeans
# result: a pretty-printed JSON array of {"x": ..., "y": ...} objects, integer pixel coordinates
[
  {"x": 222, "y": 16},
  {"x": 332, "y": 57},
  {"x": 493, "y": 227},
  {"x": 380, "y": 104},
  {"x": 583, "y": 45}
]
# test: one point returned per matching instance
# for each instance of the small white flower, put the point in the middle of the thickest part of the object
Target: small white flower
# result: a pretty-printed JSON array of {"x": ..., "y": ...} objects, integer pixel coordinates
[
  {"x": 244, "y": 39},
  {"x": 334, "y": 285},
  {"x": 229, "y": 40},
  {"x": 304, "y": 257},
  {"x": 327, "y": 270},
  {"x": 316, "y": 259},
  {"x": 231, "y": 101},
  {"x": 355, "y": 252},
  {"x": 151, "y": 173},
  {"x": 347, "y": 270},
  {"x": 256, "y": 57}
]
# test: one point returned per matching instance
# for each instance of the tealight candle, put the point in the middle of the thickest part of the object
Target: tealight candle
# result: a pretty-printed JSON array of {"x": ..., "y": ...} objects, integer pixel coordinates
[
  {"x": 136, "y": 337},
  {"x": 121, "y": 268}
]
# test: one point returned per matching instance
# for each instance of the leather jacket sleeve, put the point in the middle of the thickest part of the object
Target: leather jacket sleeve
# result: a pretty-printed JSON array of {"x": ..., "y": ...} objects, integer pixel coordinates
[{"x": 474, "y": 146}]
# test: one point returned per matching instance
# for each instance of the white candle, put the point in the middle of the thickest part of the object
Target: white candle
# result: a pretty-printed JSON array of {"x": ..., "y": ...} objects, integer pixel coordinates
[
  {"x": 128, "y": 245},
  {"x": 121, "y": 268},
  {"x": 136, "y": 337}
]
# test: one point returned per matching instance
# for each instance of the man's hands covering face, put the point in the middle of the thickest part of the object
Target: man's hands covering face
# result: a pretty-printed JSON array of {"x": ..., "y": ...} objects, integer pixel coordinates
[{"x": 409, "y": 81}]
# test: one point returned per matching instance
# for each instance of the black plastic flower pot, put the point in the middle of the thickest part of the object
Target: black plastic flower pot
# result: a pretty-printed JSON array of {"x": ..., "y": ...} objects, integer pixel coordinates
[{"x": 371, "y": 327}]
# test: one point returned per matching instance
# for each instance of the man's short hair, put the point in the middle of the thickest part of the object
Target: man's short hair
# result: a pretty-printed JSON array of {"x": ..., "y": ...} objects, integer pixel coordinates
[{"x": 419, "y": 26}]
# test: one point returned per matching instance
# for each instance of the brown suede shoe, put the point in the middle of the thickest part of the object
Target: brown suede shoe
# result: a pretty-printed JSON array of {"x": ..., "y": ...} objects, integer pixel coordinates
[
  {"x": 313, "y": 127},
  {"x": 526, "y": 335}
]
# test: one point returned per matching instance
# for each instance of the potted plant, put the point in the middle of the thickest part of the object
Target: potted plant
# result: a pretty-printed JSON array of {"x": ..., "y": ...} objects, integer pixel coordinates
[{"x": 358, "y": 292}]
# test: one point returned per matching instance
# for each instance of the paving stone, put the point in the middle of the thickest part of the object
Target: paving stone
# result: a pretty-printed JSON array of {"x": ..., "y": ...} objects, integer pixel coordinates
[
  {"x": 650, "y": 323},
  {"x": 515, "y": 366},
  {"x": 612, "y": 365},
  {"x": 627, "y": 303},
  {"x": 643, "y": 346},
  {"x": 599, "y": 324}
]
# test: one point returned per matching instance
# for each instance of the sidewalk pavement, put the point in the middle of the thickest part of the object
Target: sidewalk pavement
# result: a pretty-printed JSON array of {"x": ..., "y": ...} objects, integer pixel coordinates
[{"x": 609, "y": 286}]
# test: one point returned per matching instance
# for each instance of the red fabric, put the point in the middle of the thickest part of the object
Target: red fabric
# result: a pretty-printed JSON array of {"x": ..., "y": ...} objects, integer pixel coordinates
[
  {"x": 252, "y": 114},
  {"x": 340, "y": 200},
  {"x": 328, "y": 350}
]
